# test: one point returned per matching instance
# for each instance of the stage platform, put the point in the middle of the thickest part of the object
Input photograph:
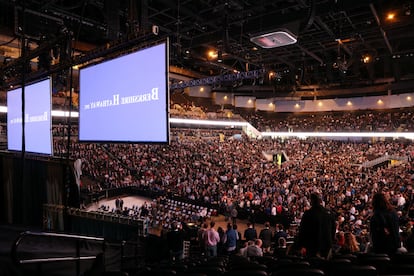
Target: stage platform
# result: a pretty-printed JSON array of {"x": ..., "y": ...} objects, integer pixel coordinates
[{"x": 129, "y": 201}]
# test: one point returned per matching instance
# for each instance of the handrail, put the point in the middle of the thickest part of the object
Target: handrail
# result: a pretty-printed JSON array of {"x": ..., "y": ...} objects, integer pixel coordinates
[
  {"x": 61, "y": 259},
  {"x": 134, "y": 257},
  {"x": 384, "y": 158},
  {"x": 61, "y": 235},
  {"x": 76, "y": 259}
]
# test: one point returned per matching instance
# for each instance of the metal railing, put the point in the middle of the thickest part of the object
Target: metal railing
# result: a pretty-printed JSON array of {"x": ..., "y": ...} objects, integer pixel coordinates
[
  {"x": 135, "y": 256},
  {"x": 382, "y": 159},
  {"x": 41, "y": 260}
]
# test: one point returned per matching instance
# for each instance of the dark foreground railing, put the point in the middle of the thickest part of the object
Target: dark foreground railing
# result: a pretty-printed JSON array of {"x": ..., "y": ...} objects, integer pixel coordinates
[{"x": 77, "y": 258}]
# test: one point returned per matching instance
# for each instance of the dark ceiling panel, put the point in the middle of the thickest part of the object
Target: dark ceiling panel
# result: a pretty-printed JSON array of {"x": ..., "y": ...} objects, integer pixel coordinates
[{"x": 333, "y": 35}]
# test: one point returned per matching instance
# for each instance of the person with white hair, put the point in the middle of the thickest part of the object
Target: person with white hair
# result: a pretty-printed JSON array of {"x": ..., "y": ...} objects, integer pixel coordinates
[
  {"x": 400, "y": 201},
  {"x": 203, "y": 213},
  {"x": 255, "y": 249}
]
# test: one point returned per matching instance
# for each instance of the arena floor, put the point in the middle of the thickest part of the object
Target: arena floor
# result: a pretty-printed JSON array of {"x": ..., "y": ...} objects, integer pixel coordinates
[{"x": 130, "y": 201}]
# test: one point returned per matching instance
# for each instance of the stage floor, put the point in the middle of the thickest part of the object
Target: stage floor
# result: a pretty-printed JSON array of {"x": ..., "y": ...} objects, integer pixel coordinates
[{"x": 130, "y": 201}]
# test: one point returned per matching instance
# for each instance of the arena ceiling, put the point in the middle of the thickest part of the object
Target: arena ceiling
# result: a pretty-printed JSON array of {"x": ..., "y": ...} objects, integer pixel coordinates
[{"x": 340, "y": 43}]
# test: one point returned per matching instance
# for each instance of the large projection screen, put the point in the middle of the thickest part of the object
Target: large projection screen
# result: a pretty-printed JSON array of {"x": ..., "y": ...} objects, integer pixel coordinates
[
  {"x": 126, "y": 99},
  {"x": 37, "y": 114}
]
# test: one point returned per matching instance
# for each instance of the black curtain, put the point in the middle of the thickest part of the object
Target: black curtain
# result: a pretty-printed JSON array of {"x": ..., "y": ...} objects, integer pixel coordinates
[{"x": 27, "y": 185}]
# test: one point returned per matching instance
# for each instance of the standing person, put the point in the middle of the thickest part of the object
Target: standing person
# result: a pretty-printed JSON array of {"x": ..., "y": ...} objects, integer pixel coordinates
[
  {"x": 223, "y": 238},
  {"x": 121, "y": 204},
  {"x": 280, "y": 233},
  {"x": 250, "y": 233},
  {"x": 316, "y": 230},
  {"x": 231, "y": 240},
  {"x": 200, "y": 237},
  {"x": 117, "y": 200},
  {"x": 234, "y": 213},
  {"x": 384, "y": 228},
  {"x": 266, "y": 236},
  {"x": 239, "y": 237},
  {"x": 211, "y": 239},
  {"x": 175, "y": 240}
]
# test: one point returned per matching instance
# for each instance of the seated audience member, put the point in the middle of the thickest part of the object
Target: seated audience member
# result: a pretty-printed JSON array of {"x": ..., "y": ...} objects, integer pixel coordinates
[
  {"x": 243, "y": 249},
  {"x": 408, "y": 237},
  {"x": 350, "y": 245},
  {"x": 339, "y": 241},
  {"x": 281, "y": 248},
  {"x": 255, "y": 250}
]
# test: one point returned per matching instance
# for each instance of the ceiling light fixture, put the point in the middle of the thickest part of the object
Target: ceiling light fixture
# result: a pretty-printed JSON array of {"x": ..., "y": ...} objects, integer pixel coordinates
[
  {"x": 212, "y": 54},
  {"x": 279, "y": 38},
  {"x": 366, "y": 59},
  {"x": 391, "y": 16}
]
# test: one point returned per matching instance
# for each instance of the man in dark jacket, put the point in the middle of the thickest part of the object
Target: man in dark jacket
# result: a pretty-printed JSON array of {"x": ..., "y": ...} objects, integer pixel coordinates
[
  {"x": 317, "y": 230},
  {"x": 266, "y": 236},
  {"x": 175, "y": 240},
  {"x": 250, "y": 233}
]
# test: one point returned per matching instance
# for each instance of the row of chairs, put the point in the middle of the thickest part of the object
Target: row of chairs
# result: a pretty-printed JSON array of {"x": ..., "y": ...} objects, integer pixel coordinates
[{"x": 346, "y": 265}]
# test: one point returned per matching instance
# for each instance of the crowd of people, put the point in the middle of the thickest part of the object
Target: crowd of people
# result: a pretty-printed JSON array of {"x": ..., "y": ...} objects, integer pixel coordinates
[
  {"x": 318, "y": 236},
  {"x": 207, "y": 167},
  {"x": 161, "y": 212},
  {"x": 187, "y": 111},
  {"x": 233, "y": 174},
  {"x": 355, "y": 121}
]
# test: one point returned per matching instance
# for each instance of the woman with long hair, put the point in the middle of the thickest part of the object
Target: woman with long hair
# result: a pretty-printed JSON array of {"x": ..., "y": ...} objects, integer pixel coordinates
[
  {"x": 384, "y": 227},
  {"x": 350, "y": 245}
]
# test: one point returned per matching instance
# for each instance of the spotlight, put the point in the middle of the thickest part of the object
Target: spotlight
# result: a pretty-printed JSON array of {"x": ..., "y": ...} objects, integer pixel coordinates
[
  {"x": 212, "y": 54},
  {"x": 366, "y": 59},
  {"x": 187, "y": 54},
  {"x": 390, "y": 16}
]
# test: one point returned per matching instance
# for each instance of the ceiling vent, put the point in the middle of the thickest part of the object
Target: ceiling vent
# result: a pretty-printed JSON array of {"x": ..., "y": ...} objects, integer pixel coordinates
[{"x": 278, "y": 38}]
